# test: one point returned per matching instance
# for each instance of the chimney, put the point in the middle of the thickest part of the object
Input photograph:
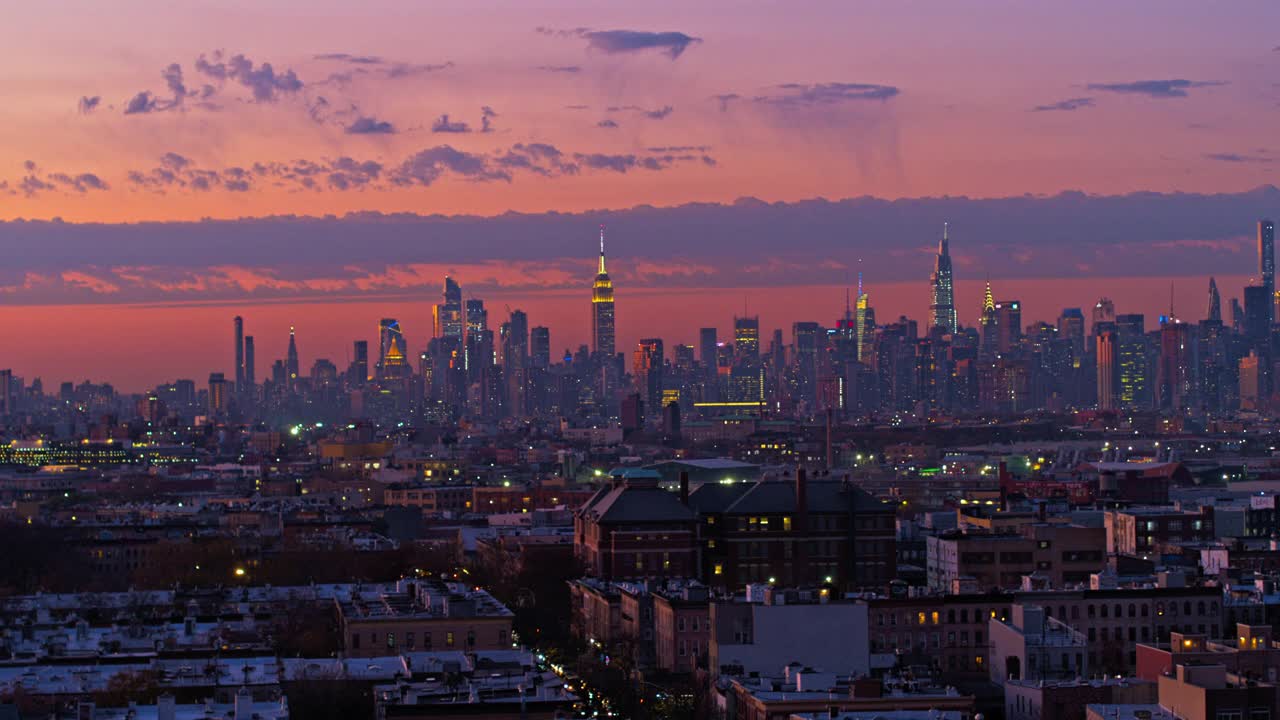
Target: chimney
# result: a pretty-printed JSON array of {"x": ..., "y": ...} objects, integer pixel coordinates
[{"x": 684, "y": 488}]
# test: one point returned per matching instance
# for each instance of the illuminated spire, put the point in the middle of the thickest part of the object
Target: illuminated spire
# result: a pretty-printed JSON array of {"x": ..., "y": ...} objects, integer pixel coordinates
[
  {"x": 942, "y": 246},
  {"x": 602, "y": 272},
  {"x": 988, "y": 301}
]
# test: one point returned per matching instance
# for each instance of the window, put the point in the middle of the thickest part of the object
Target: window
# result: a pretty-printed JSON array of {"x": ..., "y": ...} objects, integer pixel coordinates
[
  {"x": 786, "y": 523},
  {"x": 679, "y": 624},
  {"x": 391, "y": 641},
  {"x": 448, "y": 639},
  {"x": 683, "y": 648},
  {"x": 426, "y": 641},
  {"x": 471, "y": 638},
  {"x": 719, "y": 569},
  {"x": 355, "y": 641},
  {"x": 1133, "y": 610},
  {"x": 1145, "y": 611},
  {"x": 410, "y": 640}
]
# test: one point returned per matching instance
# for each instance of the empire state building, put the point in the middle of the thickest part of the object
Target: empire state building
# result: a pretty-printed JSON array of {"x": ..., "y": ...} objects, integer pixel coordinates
[
  {"x": 942, "y": 311},
  {"x": 602, "y": 333}
]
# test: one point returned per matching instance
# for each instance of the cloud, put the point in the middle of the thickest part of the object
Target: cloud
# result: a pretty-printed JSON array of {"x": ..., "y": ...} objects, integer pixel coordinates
[
  {"x": 672, "y": 44},
  {"x": 261, "y": 80},
  {"x": 399, "y": 71},
  {"x": 143, "y": 102},
  {"x": 656, "y": 114},
  {"x": 368, "y": 125},
  {"x": 622, "y": 163},
  {"x": 1260, "y": 157},
  {"x": 350, "y": 59},
  {"x": 1070, "y": 104},
  {"x": 36, "y": 181},
  {"x": 1155, "y": 88},
  {"x": 725, "y": 99},
  {"x": 427, "y": 166},
  {"x": 559, "y": 68},
  {"x": 614, "y": 42},
  {"x": 487, "y": 114},
  {"x": 607, "y": 123},
  {"x": 88, "y": 103},
  {"x": 1069, "y": 235},
  {"x": 826, "y": 94},
  {"x": 442, "y": 124},
  {"x": 538, "y": 158}
]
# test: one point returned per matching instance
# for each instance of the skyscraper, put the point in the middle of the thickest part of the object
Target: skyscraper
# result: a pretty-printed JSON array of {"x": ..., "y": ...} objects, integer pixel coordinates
[
  {"x": 602, "y": 309},
  {"x": 987, "y": 324},
  {"x": 359, "y": 372},
  {"x": 515, "y": 340},
  {"x": 6, "y": 392},
  {"x": 291, "y": 359},
  {"x": 864, "y": 323},
  {"x": 746, "y": 338},
  {"x": 942, "y": 311},
  {"x": 389, "y": 336},
  {"x": 239, "y": 323},
  {"x": 448, "y": 314},
  {"x": 1008, "y": 325},
  {"x": 707, "y": 349},
  {"x": 540, "y": 346},
  {"x": 647, "y": 368},
  {"x": 1267, "y": 255},
  {"x": 218, "y": 400},
  {"x": 1214, "y": 314},
  {"x": 1071, "y": 328},
  {"x": 250, "y": 373}
]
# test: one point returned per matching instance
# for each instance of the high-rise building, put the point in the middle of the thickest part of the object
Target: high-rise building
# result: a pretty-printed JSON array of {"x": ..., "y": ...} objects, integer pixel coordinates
[
  {"x": 1008, "y": 325},
  {"x": 6, "y": 392},
  {"x": 1267, "y": 255},
  {"x": 988, "y": 324},
  {"x": 942, "y": 310},
  {"x": 447, "y": 316},
  {"x": 1175, "y": 371},
  {"x": 515, "y": 340},
  {"x": 358, "y": 375},
  {"x": 864, "y": 323},
  {"x": 239, "y": 324},
  {"x": 1071, "y": 328},
  {"x": 1104, "y": 311},
  {"x": 602, "y": 310},
  {"x": 647, "y": 369},
  {"x": 1214, "y": 313},
  {"x": 390, "y": 340},
  {"x": 1104, "y": 336},
  {"x": 1133, "y": 373},
  {"x": 707, "y": 349},
  {"x": 540, "y": 347},
  {"x": 746, "y": 338},
  {"x": 250, "y": 364},
  {"x": 1257, "y": 315},
  {"x": 219, "y": 402},
  {"x": 291, "y": 359}
]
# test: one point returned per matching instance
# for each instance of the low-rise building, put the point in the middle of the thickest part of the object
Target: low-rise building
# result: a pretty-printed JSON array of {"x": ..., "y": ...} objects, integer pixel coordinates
[{"x": 423, "y": 615}]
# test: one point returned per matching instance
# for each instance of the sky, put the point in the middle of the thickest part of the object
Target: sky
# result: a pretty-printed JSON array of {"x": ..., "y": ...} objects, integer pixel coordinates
[{"x": 324, "y": 164}]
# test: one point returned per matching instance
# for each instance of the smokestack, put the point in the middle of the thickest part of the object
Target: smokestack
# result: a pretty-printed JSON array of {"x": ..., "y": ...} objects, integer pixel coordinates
[{"x": 684, "y": 488}]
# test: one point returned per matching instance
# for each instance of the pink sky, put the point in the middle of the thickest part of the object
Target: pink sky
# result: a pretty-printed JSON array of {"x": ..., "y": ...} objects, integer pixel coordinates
[{"x": 837, "y": 99}]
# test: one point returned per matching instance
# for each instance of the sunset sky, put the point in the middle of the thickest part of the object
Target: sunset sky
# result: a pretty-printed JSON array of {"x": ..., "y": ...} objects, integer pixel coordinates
[{"x": 1078, "y": 149}]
